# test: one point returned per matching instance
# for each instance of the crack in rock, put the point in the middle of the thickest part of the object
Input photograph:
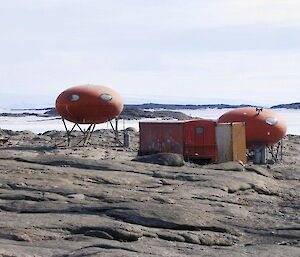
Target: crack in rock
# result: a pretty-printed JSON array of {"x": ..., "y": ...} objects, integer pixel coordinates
[
  {"x": 92, "y": 250},
  {"x": 124, "y": 233}
]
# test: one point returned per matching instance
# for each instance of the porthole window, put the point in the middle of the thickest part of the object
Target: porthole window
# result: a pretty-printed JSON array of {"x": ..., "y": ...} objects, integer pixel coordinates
[
  {"x": 199, "y": 130},
  {"x": 271, "y": 121},
  {"x": 106, "y": 97},
  {"x": 74, "y": 97}
]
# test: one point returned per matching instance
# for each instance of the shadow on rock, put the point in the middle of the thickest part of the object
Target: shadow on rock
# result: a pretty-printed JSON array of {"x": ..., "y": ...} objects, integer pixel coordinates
[{"x": 232, "y": 166}]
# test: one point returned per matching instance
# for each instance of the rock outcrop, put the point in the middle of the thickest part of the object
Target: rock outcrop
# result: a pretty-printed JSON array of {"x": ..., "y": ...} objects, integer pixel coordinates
[{"x": 96, "y": 201}]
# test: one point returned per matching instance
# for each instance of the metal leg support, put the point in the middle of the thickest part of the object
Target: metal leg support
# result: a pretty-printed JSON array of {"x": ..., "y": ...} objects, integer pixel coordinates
[
  {"x": 116, "y": 132},
  {"x": 276, "y": 151},
  {"x": 86, "y": 133}
]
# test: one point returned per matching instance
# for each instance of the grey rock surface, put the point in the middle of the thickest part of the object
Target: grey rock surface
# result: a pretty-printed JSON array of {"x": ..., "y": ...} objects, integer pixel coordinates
[{"x": 95, "y": 201}]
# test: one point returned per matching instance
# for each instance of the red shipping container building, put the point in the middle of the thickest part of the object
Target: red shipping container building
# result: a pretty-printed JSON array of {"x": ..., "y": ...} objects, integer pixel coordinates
[{"x": 194, "y": 139}]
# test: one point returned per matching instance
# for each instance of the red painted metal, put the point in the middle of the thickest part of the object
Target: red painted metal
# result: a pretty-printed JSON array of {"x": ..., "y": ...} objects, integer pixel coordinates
[
  {"x": 194, "y": 139},
  {"x": 89, "y": 104},
  {"x": 263, "y": 126}
]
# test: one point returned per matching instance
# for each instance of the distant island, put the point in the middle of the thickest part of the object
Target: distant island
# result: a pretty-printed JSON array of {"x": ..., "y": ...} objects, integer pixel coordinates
[
  {"x": 164, "y": 111},
  {"x": 156, "y": 106},
  {"x": 185, "y": 106},
  {"x": 287, "y": 106},
  {"x": 207, "y": 106}
]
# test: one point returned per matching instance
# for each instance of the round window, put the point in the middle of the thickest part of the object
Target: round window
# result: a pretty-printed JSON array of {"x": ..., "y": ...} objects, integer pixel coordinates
[
  {"x": 74, "y": 97},
  {"x": 271, "y": 121},
  {"x": 106, "y": 97}
]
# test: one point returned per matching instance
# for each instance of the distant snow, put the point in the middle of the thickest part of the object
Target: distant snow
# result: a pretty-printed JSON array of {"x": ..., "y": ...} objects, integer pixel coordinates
[{"x": 40, "y": 124}]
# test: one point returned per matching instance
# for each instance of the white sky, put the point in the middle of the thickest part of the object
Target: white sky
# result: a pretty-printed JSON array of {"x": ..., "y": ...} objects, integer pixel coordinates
[{"x": 167, "y": 51}]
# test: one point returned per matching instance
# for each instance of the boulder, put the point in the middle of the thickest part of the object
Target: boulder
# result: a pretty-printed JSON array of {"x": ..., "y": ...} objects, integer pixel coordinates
[{"x": 167, "y": 159}]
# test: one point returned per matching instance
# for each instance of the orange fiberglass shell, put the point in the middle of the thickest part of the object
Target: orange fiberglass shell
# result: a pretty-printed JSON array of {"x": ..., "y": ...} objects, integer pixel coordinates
[
  {"x": 264, "y": 127},
  {"x": 89, "y": 104}
]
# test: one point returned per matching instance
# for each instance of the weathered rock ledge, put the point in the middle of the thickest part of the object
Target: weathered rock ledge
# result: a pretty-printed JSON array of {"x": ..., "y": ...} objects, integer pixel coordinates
[{"x": 96, "y": 201}]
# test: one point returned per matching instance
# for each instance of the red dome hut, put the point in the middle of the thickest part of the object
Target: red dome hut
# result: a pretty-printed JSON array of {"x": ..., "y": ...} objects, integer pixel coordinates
[
  {"x": 89, "y": 104},
  {"x": 264, "y": 127}
]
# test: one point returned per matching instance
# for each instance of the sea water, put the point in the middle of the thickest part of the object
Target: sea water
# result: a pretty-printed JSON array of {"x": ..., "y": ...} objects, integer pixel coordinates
[{"x": 40, "y": 124}]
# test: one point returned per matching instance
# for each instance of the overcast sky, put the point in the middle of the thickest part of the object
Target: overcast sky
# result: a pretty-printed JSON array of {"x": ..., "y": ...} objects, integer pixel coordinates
[{"x": 167, "y": 51}]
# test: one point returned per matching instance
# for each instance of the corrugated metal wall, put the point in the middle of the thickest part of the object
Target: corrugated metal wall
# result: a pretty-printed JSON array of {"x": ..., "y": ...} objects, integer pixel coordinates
[
  {"x": 194, "y": 139},
  {"x": 157, "y": 137}
]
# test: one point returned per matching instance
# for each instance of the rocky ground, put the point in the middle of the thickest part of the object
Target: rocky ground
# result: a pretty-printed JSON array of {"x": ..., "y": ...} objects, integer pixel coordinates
[{"x": 96, "y": 201}]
